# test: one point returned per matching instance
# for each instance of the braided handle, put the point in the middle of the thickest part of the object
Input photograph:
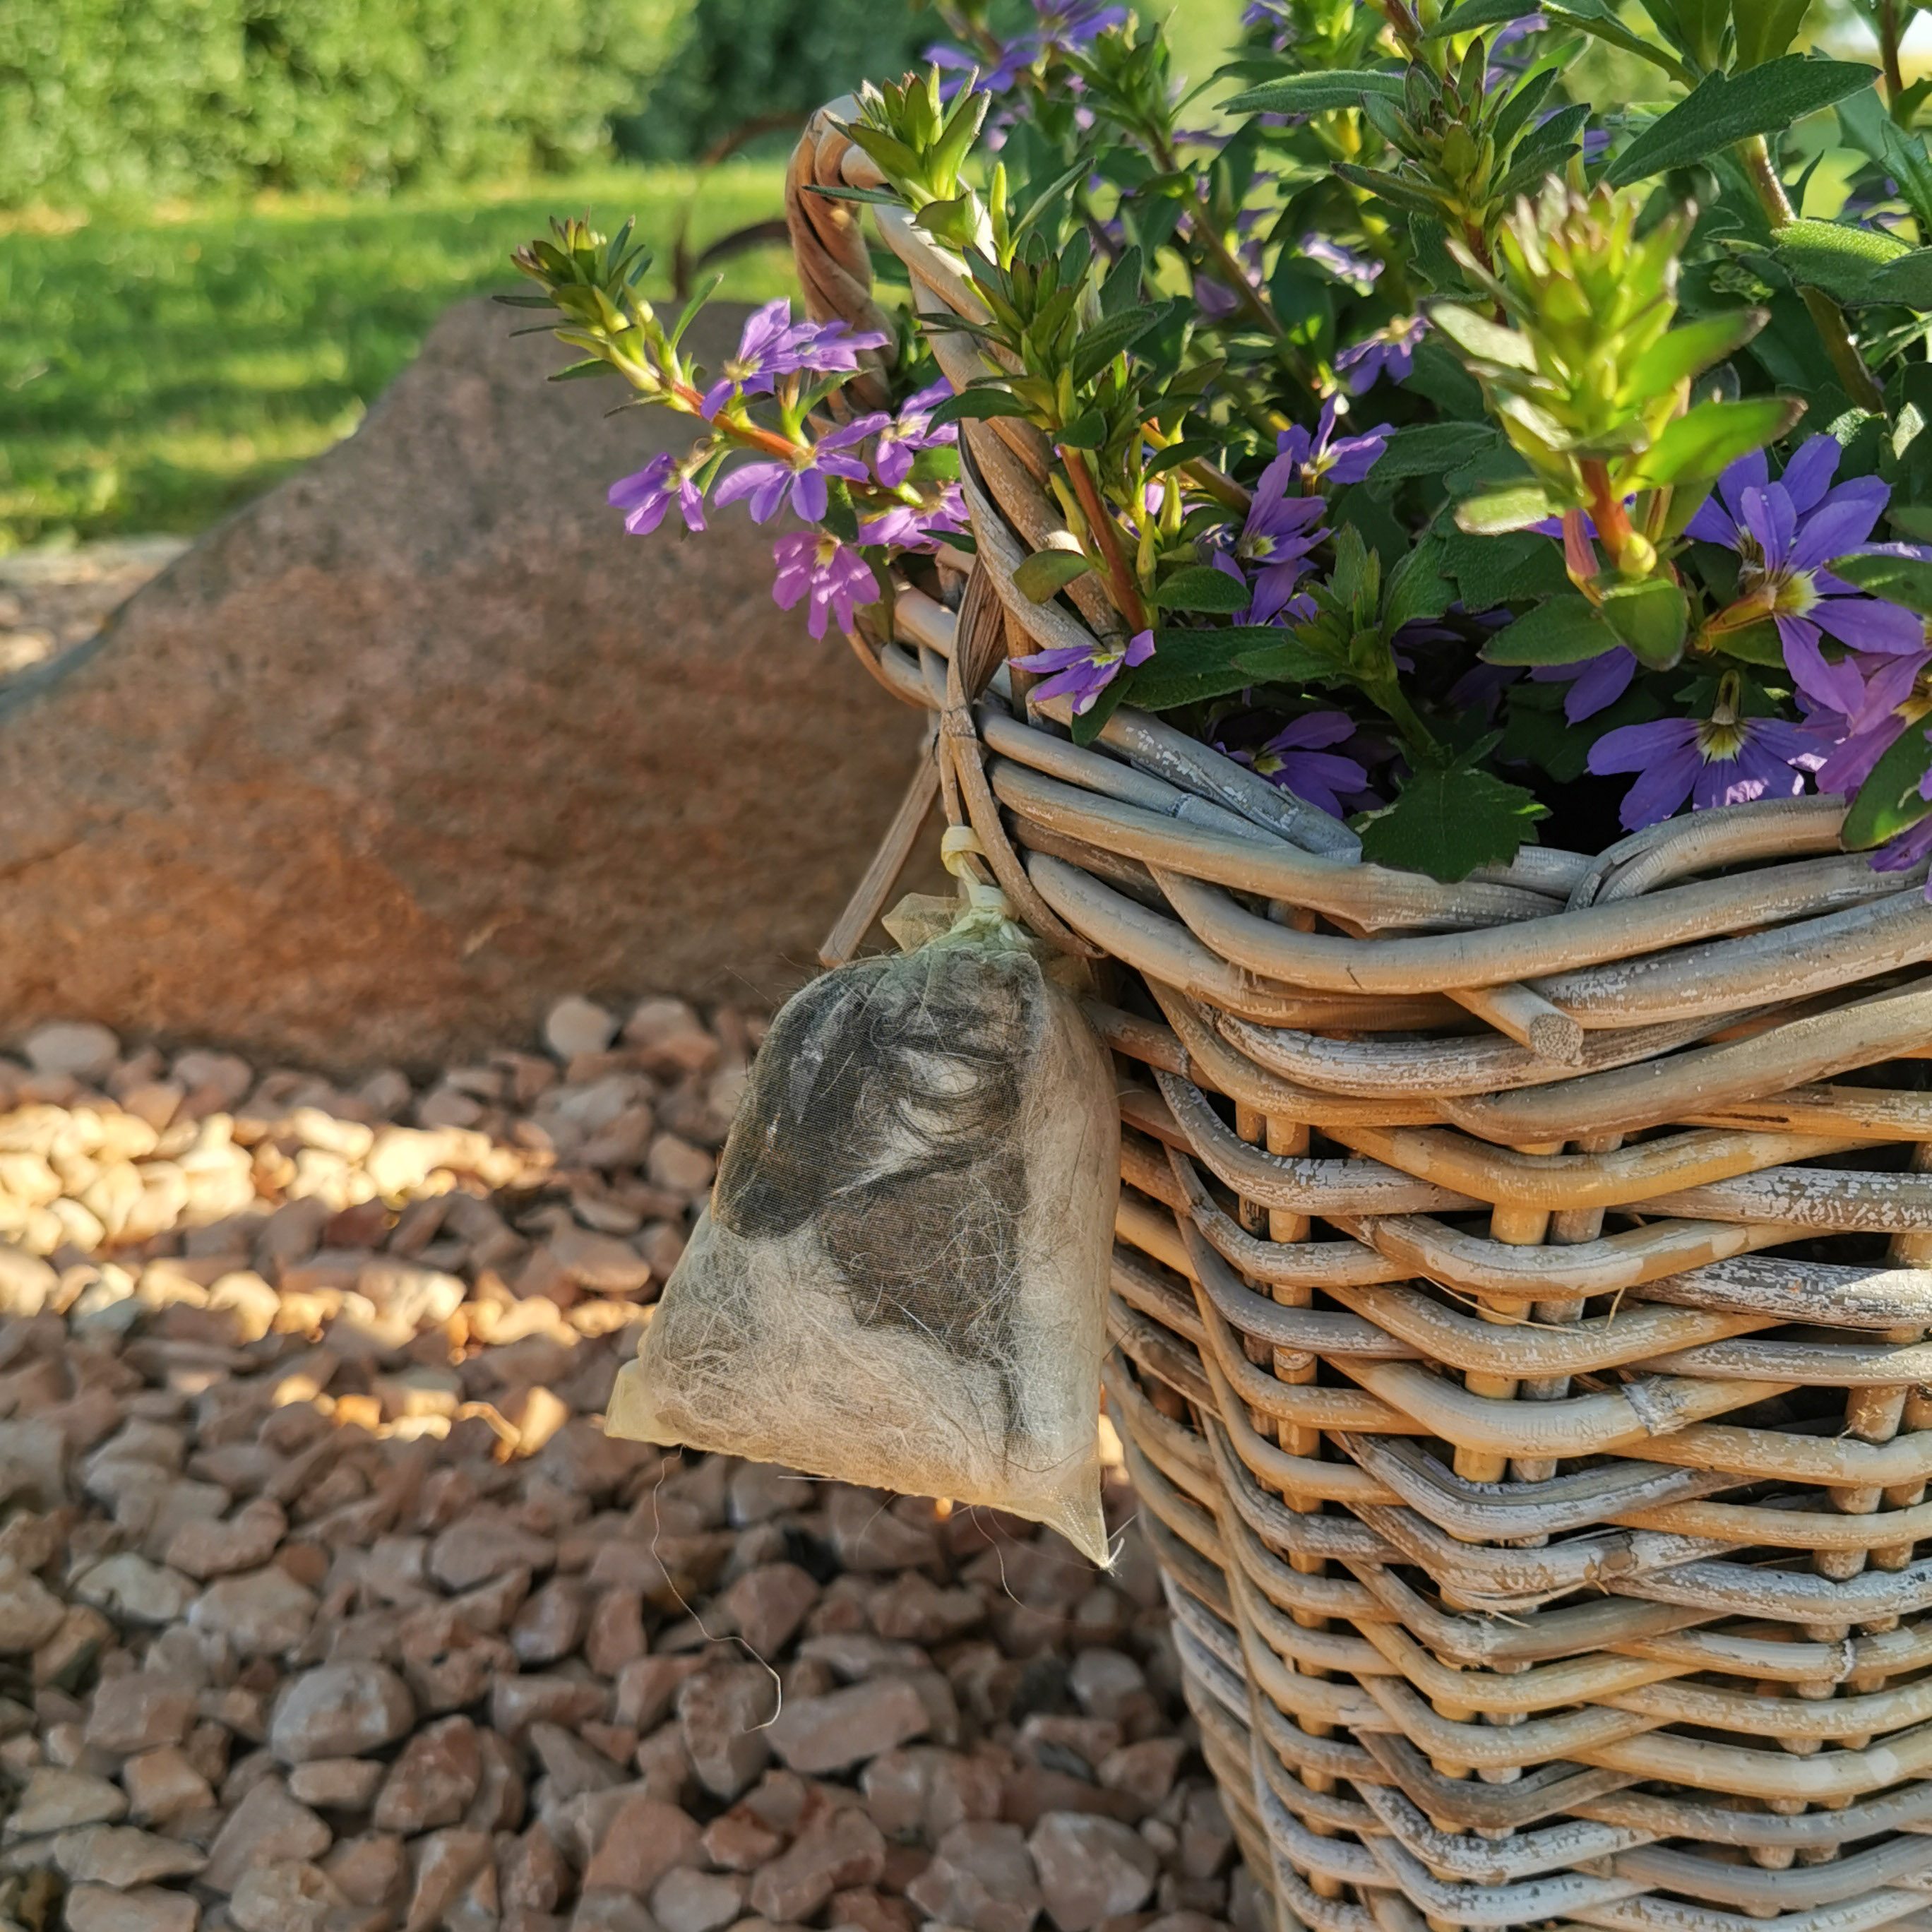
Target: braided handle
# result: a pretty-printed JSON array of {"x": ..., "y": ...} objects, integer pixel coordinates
[{"x": 828, "y": 246}]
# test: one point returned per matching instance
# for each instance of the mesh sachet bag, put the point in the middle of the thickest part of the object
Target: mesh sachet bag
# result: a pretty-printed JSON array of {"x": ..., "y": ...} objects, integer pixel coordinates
[{"x": 901, "y": 1278}]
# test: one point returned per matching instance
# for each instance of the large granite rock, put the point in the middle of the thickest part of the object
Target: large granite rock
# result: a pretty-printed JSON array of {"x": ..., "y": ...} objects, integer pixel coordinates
[{"x": 420, "y": 740}]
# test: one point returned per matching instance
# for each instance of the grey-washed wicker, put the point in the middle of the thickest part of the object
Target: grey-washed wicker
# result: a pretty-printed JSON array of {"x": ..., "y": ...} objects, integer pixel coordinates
[{"x": 1522, "y": 1295}]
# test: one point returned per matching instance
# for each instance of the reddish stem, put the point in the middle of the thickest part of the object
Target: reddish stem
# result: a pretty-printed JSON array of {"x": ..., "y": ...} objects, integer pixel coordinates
[{"x": 1126, "y": 591}]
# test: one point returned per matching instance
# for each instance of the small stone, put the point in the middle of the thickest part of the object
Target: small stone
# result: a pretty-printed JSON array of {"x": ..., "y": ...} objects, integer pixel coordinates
[
  {"x": 740, "y": 1841},
  {"x": 644, "y": 1839},
  {"x": 442, "y": 1864},
  {"x": 138, "y": 1711},
  {"x": 100, "y": 1908},
  {"x": 498, "y": 1805},
  {"x": 340, "y": 1710},
  {"x": 433, "y": 1780},
  {"x": 1206, "y": 1837},
  {"x": 370, "y": 1870},
  {"x": 205, "y": 1548},
  {"x": 913, "y": 1609},
  {"x": 762, "y": 1490},
  {"x": 267, "y": 1826},
  {"x": 1091, "y": 1868},
  {"x": 843, "y": 1728},
  {"x": 868, "y": 1536},
  {"x": 472, "y": 1552},
  {"x": 646, "y": 1686},
  {"x": 291, "y": 1895},
  {"x": 1146, "y": 1771},
  {"x": 518, "y": 1702},
  {"x": 724, "y": 1715},
  {"x": 601, "y": 1263},
  {"x": 616, "y": 1635},
  {"x": 162, "y": 1784},
  {"x": 768, "y": 1603},
  {"x": 572, "y": 1766},
  {"x": 551, "y": 1624},
  {"x": 611, "y": 1912},
  {"x": 871, "y": 1911},
  {"x": 119, "y": 1855},
  {"x": 575, "y": 1025},
  {"x": 845, "y": 1848},
  {"x": 982, "y": 1875},
  {"x": 263, "y": 1613},
  {"x": 678, "y": 1168},
  {"x": 132, "y": 1590},
  {"x": 337, "y": 1784},
  {"x": 669, "y": 1038},
  {"x": 684, "y": 1900},
  {"x": 30, "y": 1613},
  {"x": 81, "y": 1048},
  {"x": 54, "y": 1800},
  {"x": 531, "y": 1873},
  {"x": 1108, "y": 1684}
]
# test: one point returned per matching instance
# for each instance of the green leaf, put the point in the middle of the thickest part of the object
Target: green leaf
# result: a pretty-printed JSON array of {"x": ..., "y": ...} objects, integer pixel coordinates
[
  {"x": 1279, "y": 657},
  {"x": 1704, "y": 439},
  {"x": 1493, "y": 571},
  {"x": 1476, "y": 335},
  {"x": 1702, "y": 23},
  {"x": 1094, "y": 348},
  {"x": 1566, "y": 630},
  {"x": 1433, "y": 449},
  {"x": 1723, "y": 110},
  {"x": 1087, "y": 725},
  {"x": 1651, "y": 618},
  {"x": 1416, "y": 588},
  {"x": 1844, "y": 261},
  {"x": 1317, "y": 93},
  {"x": 1473, "y": 13},
  {"x": 1765, "y": 28},
  {"x": 1496, "y": 512},
  {"x": 1888, "y": 802},
  {"x": 1907, "y": 279},
  {"x": 1899, "y": 580},
  {"x": 977, "y": 405},
  {"x": 1866, "y": 127},
  {"x": 1190, "y": 666},
  {"x": 1691, "y": 349},
  {"x": 1048, "y": 572},
  {"x": 1199, "y": 586},
  {"x": 1088, "y": 430},
  {"x": 1448, "y": 823}
]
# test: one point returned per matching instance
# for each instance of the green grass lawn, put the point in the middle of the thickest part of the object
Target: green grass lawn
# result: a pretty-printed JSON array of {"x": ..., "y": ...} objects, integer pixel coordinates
[{"x": 155, "y": 372}]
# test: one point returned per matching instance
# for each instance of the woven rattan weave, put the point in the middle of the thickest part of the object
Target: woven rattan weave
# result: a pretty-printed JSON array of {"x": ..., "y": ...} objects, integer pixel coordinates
[{"x": 1521, "y": 1333}]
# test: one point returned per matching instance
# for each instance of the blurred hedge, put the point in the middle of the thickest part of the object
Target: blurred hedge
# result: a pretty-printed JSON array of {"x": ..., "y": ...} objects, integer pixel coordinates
[
  {"x": 736, "y": 59},
  {"x": 177, "y": 97}
]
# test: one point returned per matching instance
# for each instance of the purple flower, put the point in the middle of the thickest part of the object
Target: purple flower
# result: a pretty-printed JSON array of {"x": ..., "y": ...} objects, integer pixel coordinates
[
  {"x": 1723, "y": 759},
  {"x": 914, "y": 526},
  {"x": 1391, "y": 351},
  {"x": 767, "y": 483},
  {"x": 1295, "y": 759},
  {"x": 771, "y": 345},
  {"x": 1785, "y": 533},
  {"x": 1319, "y": 459},
  {"x": 1909, "y": 849},
  {"x": 648, "y": 494},
  {"x": 1595, "y": 683},
  {"x": 1063, "y": 26},
  {"x": 1083, "y": 671},
  {"x": 839, "y": 579},
  {"x": 1883, "y": 717},
  {"x": 1359, "y": 271},
  {"x": 1274, "y": 541},
  {"x": 899, "y": 441}
]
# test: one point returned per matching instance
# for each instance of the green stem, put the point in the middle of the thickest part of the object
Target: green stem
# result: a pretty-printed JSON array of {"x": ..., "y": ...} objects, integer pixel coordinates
[
  {"x": 1888, "y": 47},
  {"x": 1826, "y": 316}
]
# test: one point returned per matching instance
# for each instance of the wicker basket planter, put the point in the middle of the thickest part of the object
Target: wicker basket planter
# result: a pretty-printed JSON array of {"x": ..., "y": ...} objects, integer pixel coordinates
[{"x": 1519, "y": 1322}]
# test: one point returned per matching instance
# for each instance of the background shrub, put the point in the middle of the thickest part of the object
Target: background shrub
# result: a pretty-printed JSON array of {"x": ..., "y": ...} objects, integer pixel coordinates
[{"x": 166, "y": 97}]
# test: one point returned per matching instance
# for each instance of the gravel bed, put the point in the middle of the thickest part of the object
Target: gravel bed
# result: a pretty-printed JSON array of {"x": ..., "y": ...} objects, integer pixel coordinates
[{"x": 326, "y": 1605}]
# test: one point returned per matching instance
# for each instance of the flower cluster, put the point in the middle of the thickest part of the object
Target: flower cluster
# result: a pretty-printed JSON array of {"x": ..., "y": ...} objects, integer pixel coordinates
[{"x": 1393, "y": 419}]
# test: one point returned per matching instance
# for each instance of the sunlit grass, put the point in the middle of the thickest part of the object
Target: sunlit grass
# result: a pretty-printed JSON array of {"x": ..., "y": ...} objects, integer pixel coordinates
[{"x": 161, "y": 366}]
